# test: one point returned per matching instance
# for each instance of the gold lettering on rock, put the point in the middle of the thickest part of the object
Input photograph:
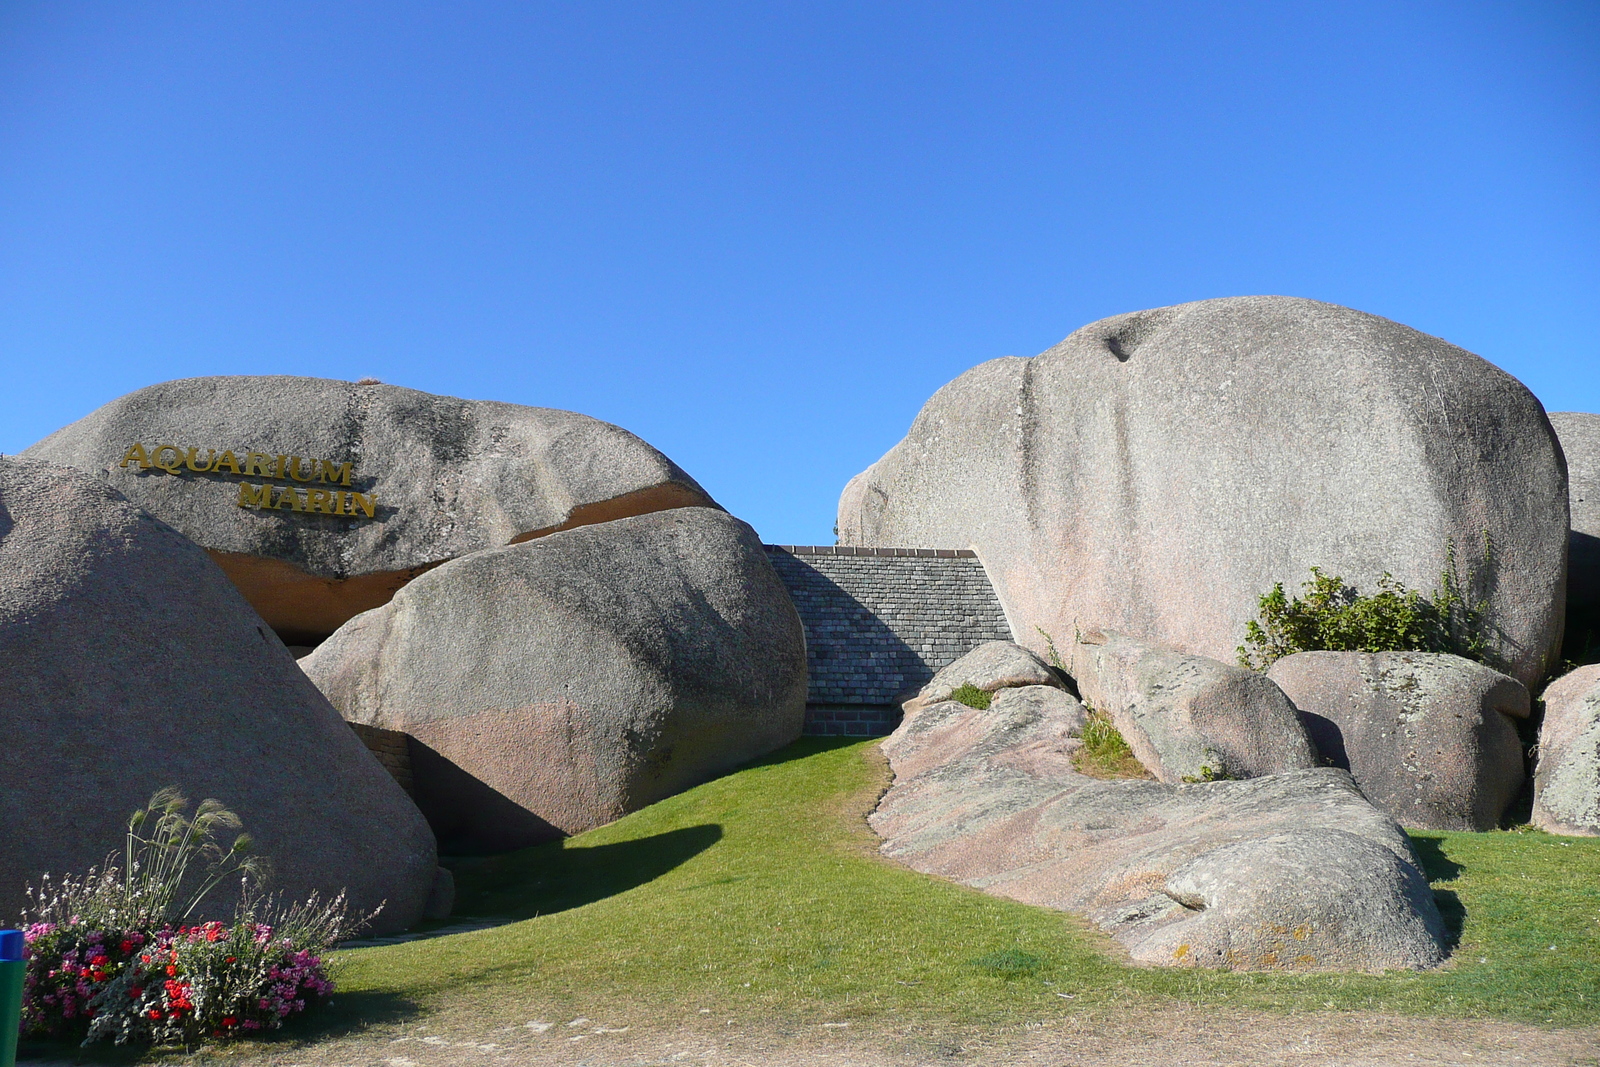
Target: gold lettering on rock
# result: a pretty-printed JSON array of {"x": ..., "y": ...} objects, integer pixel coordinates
[
  {"x": 172, "y": 459},
  {"x": 338, "y": 474},
  {"x": 177, "y": 458},
  {"x": 251, "y": 496}
]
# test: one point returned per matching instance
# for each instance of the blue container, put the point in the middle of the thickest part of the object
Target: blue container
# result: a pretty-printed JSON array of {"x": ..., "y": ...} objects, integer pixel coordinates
[{"x": 13, "y": 962}]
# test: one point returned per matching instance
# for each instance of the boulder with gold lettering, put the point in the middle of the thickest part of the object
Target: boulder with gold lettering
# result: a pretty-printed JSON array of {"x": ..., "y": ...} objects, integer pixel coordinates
[
  {"x": 551, "y": 686},
  {"x": 321, "y": 498},
  {"x": 129, "y": 664}
]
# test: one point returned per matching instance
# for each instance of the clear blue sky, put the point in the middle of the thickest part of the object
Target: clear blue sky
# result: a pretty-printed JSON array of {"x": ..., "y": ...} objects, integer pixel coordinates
[{"x": 760, "y": 235}]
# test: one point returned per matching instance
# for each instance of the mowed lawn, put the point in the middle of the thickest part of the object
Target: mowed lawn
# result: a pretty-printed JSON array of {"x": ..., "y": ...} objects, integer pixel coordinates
[{"x": 761, "y": 894}]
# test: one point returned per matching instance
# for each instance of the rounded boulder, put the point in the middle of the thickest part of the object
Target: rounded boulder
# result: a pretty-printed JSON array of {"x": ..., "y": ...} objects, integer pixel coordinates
[
  {"x": 131, "y": 664},
  {"x": 1428, "y": 737},
  {"x": 320, "y": 498},
  {"x": 555, "y": 685},
  {"x": 1156, "y": 472}
]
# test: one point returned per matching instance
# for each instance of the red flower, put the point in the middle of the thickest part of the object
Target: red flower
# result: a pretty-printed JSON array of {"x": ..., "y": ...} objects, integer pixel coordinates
[
  {"x": 155, "y": 1013},
  {"x": 229, "y": 1020},
  {"x": 171, "y": 970}
]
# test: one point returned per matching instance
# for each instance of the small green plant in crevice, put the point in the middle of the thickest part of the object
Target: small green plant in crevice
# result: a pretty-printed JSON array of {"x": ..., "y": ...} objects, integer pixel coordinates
[
  {"x": 973, "y": 697},
  {"x": 1208, "y": 773},
  {"x": 1050, "y": 648},
  {"x": 1105, "y": 752},
  {"x": 1333, "y": 617}
]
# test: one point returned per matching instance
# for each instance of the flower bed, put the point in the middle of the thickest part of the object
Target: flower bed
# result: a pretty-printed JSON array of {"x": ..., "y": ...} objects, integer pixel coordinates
[{"x": 114, "y": 955}]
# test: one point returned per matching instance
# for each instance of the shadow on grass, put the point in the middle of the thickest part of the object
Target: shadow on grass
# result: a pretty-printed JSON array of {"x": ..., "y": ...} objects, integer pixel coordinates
[
  {"x": 805, "y": 748},
  {"x": 346, "y": 1013},
  {"x": 1441, "y": 868},
  {"x": 557, "y": 876}
]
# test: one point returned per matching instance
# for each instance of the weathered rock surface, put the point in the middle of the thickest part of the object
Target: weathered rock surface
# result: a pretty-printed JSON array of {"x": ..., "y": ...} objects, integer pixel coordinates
[
  {"x": 1290, "y": 871},
  {"x": 1156, "y": 472},
  {"x": 444, "y": 477},
  {"x": 1428, "y": 737},
  {"x": 992, "y": 665},
  {"x": 1566, "y": 781},
  {"x": 1187, "y": 717},
  {"x": 130, "y": 663},
  {"x": 1042, "y": 701},
  {"x": 555, "y": 685},
  {"x": 1580, "y": 441}
]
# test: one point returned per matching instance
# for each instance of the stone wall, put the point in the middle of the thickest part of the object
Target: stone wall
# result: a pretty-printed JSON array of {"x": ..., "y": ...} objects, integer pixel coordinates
[
  {"x": 392, "y": 750},
  {"x": 879, "y": 622}
]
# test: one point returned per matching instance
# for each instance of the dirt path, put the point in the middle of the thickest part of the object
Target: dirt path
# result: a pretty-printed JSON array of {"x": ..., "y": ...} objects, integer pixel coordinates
[{"x": 1184, "y": 1038}]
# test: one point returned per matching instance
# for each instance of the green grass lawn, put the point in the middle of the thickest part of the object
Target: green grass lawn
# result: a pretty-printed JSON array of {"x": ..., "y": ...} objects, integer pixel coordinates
[{"x": 761, "y": 894}]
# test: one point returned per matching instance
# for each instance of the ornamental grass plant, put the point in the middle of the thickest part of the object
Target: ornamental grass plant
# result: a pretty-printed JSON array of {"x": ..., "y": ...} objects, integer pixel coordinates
[{"x": 117, "y": 953}]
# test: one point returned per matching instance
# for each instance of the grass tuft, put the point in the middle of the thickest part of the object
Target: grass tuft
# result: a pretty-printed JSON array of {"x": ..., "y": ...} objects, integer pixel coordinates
[
  {"x": 973, "y": 697},
  {"x": 1105, "y": 752}
]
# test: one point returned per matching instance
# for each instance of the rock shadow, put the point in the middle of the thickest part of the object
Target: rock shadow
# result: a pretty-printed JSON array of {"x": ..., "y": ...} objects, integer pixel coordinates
[
  {"x": 1439, "y": 867},
  {"x": 560, "y": 875},
  {"x": 468, "y": 816},
  {"x": 1327, "y": 739}
]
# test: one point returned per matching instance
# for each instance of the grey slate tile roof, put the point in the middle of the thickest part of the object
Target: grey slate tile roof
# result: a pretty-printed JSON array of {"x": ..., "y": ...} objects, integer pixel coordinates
[{"x": 880, "y": 622}]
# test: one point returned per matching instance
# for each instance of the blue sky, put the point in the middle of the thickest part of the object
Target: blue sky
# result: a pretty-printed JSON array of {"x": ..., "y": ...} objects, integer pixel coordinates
[{"x": 761, "y": 235}]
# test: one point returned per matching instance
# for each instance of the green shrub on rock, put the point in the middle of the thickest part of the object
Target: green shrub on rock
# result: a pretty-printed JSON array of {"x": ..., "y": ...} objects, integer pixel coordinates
[{"x": 1333, "y": 617}]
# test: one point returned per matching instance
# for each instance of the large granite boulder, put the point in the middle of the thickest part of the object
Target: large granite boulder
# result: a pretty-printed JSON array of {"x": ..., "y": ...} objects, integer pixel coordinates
[
  {"x": 1580, "y": 441},
  {"x": 1189, "y": 717},
  {"x": 558, "y": 684},
  {"x": 1566, "y": 781},
  {"x": 130, "y": 663},
  {"x": 321, "y": 498},
  {"x": 1428, "y": 738},
  {"x": 1157, "y": 472},
  {"x": 992, "y": 665},
  {"x": 1286, "y": 872}
]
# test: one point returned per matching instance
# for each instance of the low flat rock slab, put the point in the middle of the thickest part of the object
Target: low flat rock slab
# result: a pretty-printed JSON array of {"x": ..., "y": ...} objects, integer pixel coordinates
[{"x": 1290, "y": 871}]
